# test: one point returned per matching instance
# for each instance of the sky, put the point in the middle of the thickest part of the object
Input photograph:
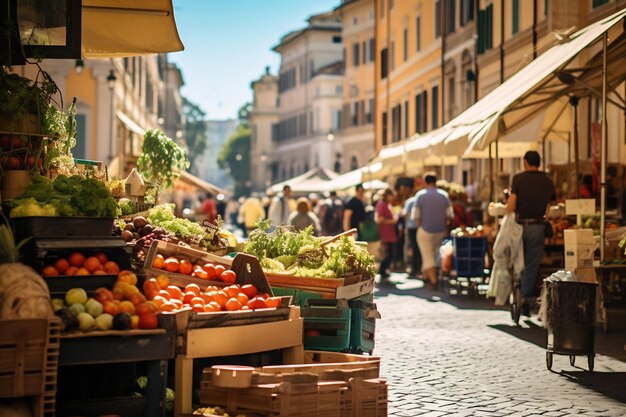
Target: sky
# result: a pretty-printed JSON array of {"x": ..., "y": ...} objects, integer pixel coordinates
[{"x": 228, "y": 45}]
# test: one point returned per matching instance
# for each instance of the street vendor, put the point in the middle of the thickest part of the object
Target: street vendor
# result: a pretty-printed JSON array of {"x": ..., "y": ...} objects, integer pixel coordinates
[{"x": 530, "y": 194}]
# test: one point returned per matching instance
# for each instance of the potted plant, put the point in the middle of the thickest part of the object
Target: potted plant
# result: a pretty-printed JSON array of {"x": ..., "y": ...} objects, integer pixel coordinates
[{"x": 161, "y": 160}]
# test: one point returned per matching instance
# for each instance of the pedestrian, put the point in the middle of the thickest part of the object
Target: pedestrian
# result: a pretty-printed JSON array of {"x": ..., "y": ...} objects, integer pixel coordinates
[
  {"x": 354, "y": 211},
  {"x": 386, "y": 220},
  {"x": 281, "y": 207},
  {"x": 531, "y": 193},
  {"x": 303, "y": 217},
  {"x": 209, "y": 208},
  {"x": 266, "y": 201},
  {"x": 330, "y": 212},
  {"x": 251, "y": 211},
  {"x": 415, "y": 259},
  {"x": 431, "y": 212},
  {"x": 232, "y": 211},
  {"x": 221, "y": 206}
]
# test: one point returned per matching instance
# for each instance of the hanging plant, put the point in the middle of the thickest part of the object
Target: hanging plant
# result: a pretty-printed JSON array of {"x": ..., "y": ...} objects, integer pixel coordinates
[{"x": 161, "y": 159}]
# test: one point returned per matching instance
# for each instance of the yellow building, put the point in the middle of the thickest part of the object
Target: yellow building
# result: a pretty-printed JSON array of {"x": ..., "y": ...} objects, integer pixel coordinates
[{"x": 356, "y": 134}]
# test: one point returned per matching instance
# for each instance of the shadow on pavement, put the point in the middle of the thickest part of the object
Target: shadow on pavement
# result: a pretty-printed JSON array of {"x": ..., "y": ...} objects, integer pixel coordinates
[{"x": 609, "y": 384}]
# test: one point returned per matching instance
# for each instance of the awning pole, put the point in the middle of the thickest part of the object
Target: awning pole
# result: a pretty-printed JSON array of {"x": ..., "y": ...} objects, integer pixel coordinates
[
  {"x": 497, "y": 173},
  {"x": 574, "y": 102},
  {"x": 491, "y": 195},
  {"x": 543, "y": 153},
  {"x": 569, "y": 162},
  {"x": 603, "y": 154}
]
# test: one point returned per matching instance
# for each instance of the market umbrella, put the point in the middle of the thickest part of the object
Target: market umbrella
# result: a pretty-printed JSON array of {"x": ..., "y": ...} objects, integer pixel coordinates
[{"x": 121, "y": 28}]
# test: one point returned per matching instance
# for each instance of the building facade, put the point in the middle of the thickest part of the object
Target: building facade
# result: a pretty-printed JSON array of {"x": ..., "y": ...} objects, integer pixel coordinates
[
  {"x": 218, "y": 132},
  {"x": 310, "y": 98},
  {"x": 356, "y": 132},
  {"x": 264, "y": 118}
]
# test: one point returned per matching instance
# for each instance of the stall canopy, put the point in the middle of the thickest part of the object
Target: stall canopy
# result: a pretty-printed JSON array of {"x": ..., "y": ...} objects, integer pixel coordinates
[
  {"x": 120, "y": 28},
  {"x": 312, "y": 181},
  {"x": 529, "y": 106},
  {"x": 352, "y": 178},
  {"x": 200, "y": 184}
]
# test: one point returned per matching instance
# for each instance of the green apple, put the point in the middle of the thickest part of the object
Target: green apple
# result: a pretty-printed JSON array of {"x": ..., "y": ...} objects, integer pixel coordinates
[
  {"x": 93, "y": 307},
  {"x": 77, "y": 308},
  {"x": 104, "y": 322},
  {"x": 86, "y": 321},
  {"x": 75, "y": 296},
  {"x": 57, "y": 304}
]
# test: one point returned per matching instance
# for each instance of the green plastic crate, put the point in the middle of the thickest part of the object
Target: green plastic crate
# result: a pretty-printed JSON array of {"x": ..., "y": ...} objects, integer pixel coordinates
[{"x": 327, "y": 325}]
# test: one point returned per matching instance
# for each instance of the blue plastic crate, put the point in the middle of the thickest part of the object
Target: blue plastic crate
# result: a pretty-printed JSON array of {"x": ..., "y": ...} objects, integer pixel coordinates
[{"x": 469, "y": 255}]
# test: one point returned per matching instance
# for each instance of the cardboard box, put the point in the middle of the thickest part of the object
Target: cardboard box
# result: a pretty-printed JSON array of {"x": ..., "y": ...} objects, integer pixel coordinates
[
  {"x": 580, "y": 256},
  {"x": 575, "y": 237},
  {"x": 586, "y": 275}
]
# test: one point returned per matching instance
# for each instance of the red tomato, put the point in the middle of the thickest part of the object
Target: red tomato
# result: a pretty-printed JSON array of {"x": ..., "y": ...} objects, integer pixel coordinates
[
  {"x": 148, "y": 321},
  {"x": 219, "y": 269},
  {"x": 210, "y": 270},
  {"x": 229, "y": 276},
  {"x": 249, "y": 290}
]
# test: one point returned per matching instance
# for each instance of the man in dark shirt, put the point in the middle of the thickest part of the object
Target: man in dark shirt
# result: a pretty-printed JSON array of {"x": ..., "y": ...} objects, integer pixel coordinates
[
  {"x": 354, "y": 211},
  {"x": 531, "y": 192}
]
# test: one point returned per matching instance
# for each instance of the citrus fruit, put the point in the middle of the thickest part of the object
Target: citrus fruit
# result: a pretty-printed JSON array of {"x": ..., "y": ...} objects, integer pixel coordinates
[
  {"x": 76, "y": 259},
  {"x": 171, "y": 264},
  {"x": 111, "y": 268},
  {"x": 50, "y": 271},
  {"x": 185, "y": 267},
  {"x": 92, "y": 264},
  {"x": 194, "y": 288},
  {"x": 61, "y": 265},
  {"x": 102, "y": 258},
  {"x": 159, "y": 261},
  {"x": 233, "y": 304}
]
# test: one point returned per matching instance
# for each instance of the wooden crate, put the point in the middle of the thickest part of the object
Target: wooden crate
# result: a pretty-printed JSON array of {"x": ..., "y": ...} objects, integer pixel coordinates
[
  {"x": 368, "y": 397},
  {"x": 29, "y": 356},
  {"x": 320, "y": 362}
]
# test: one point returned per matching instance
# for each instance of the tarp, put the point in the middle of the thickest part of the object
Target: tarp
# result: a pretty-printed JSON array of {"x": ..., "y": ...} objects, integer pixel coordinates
[
  {"x": 121, "y": 28},
  {"x": 312, "y": 181}
]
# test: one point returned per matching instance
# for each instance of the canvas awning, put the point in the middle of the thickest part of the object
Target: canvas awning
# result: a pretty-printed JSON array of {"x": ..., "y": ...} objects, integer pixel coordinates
[
  {"x": 352, "y": 178},
  {"x": 130, "y": 123},
  {"x": 121, "y": 28},
  {"x": 192, "y": 180},
  {"x": 311, "y": 181}
]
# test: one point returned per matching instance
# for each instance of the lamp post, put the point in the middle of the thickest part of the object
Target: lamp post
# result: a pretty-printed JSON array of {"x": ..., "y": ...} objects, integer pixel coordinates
[{"x": 111, "y": 78}]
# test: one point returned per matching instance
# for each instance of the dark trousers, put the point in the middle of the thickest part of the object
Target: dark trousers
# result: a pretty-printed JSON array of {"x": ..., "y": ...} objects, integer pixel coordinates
[
  {"x": 390, "y": 250},
  {"x": 416, "y": 259}
]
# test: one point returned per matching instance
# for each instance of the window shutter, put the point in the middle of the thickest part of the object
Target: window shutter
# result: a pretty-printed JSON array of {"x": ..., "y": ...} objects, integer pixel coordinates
[
  {"x": 481, "y": 32},
  {"x": 345, "y": 123},
  {"x": 489, "y": 27},
  {"x": 362, "y": 113}
]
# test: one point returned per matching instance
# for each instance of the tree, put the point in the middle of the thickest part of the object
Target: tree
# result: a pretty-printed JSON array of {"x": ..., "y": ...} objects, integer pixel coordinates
[
  {"x": 195, "y": 130},
  {"x": 234, "y": 157},
  {"x": 243, "y": 114}
]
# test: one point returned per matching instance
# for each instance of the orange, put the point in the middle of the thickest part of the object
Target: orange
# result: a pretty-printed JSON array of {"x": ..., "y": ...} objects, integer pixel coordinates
[
  {"x": 194, "y": 288},
  {"x": 211, "y": 308},
  {"x": 134, "y": 322},
  {"x": 229, "y": 276},
  {"x": 206, "y": 297},
  {"x": 92, "y": 264},
  {"x": 159, "y": 300},
  {"x": 249, "y": 290},
  {"x": 130, "y": 290},
  {"x": 188, "y": 297},
  {"x": 82, "y": 271},
  {"x": 167, "y": 307},
  {"x": 61, "y": 265},
  {"x": 198, "y": 308},
  {"x": 158, "y": 262},
  {"x": 102, "y": 258},
  {"x": 50, "y": 271},
  {"x": 215, "y": 306},
  {"x": 245, "y": 308},
  {"x": 232, "y": 291},
  {"x": 100, "y": 272},
  {"x": 256, "y": 303},
  {"x": 220, "y": 298},
  {"x": 126, "y": 307},
  {"x": 197, "y": 300},
  {"x": 171, "y": 264},
  {"x": 111, "y": 268},
  {"x": 273, "y": 301},
  {"x": 210, "y": 270},
  {"x": 219, "y": 269},
  {"x": 185, "y": 267},
  {"x": 76, "y": 259},
  {"x": 110, "y": 307},
  {"x": 177, "y": 303},
  {"x": 151, "y": 287},
  {"x": 165, "y": 294},
  {"x": 127, "y": 276},
  {"x": 201, "y": 273},
  {"x": 137, "y": 298},
  {"x": 163, "y": 281},
  {"x": 71, "y": 271},
  {"x": 243, "y": 299},
  {"x": 175, "y": 292},
  {"x": 211, "y": 288},
  {"x": 103, "y": 294},
  {"x": 233, "y": 304}
]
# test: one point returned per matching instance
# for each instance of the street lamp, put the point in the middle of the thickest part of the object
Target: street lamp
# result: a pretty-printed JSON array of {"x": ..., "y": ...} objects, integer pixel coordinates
[
  {"x": 79, "y": 66},
  {"x": 330, "y": 136},
  {"x": 111, "y": 78},
  {"x": 263, "y": 157},
  {"x": 238, "y": 157}
]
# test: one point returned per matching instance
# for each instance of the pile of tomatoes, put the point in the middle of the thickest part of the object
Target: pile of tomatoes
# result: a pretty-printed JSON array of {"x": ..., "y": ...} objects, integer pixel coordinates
[
  {"x": 206, "y": 271},
  {"x": 78, "y": 264},
  {"x": 231, "y": 298}
]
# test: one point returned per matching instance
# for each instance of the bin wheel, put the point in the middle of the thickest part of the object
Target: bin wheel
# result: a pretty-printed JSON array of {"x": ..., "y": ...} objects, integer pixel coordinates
[
  {"x": 549, "y": 360},
  {"x": 572, "y": 360},
  {"x": 590, "y": 362}
]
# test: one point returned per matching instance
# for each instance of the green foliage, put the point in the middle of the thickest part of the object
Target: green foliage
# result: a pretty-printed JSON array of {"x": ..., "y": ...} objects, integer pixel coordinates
[
  {"x": 65, "y": 196},
  {"x": 235, "y": 156},
  {"x": 278, "y": 243},
  {"x": 195, "y": 130},
  {"x": 163, "y": 216},
  {"x": 161, "y": 158},
  {"x": 243, "y": 114}
]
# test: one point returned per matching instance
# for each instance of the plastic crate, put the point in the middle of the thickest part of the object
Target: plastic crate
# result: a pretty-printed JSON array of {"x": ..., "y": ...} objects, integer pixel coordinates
[
  {"x": 363, "y": 327},
  {"x": 469, "y": 255},
  {"x": 327, "y": 325}
]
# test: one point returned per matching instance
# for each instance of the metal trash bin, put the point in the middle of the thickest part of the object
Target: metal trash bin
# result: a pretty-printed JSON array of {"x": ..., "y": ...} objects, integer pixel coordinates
[{"x": 569, "y": 316}]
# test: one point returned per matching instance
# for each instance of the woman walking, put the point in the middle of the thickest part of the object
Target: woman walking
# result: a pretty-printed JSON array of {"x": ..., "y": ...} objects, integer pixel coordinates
[{"x": 386, "y": 220}]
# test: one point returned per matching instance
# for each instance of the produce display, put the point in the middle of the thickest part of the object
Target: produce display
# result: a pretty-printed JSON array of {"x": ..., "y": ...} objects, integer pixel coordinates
[
  {"x": 214, "y": 411},
  {"x": 21, "y": 152},
  {"x": 208, "y": 270},
  {"x": 65, "y": 196},
  {"x": 232, "y": 298},
  {"x": 477, "y": 231},
  {"x": 122, "y": 308},
  {"x": 78, "y": 264},
  {"x": 301, "y": 254}
]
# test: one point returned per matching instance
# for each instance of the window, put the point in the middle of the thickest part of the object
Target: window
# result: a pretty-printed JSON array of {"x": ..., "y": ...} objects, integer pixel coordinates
[
  {"x": 372, "y": 50},
  {"x": 311, "y": 69},
  {"x": 485, "y": 29},
  {"x": 355, "y": 54},
  {"x": 369, "y": 113},
  {"x": 274, "y": 132},
  {"x": 598, "y": 3},
  {"x": 390, "y": 4},
  {"x": 393, "y": 55},
  {"x": 437, "y": 18},
  {"x": 382, "y": 9},
  {"x": 435, "y": 107},
  {"x": 451, "y": 98},
  {"x": 336, "y": 119},
  {"x": 383, "y": 63},
  {"x": 336, "y": 39},
  {"x": 396, "y": 123},
  {"x": 467, "y": 11},
  {"x": 421, "y": 107},
  {"x": 364, "y": 52},
  {"x": 384, "y": 129},
  {"x": 406, "y": 119},
  {"x": 450, "y": 11},
  {"x": 355, "y": 20},
  {"x": 418, "y": 33},
  {"x": 354, "y": 163},
  {"x": 355, "y": 113},
  {"x": 338, "y": 89},
  {"x": 405, "y": 46},
  {"x": 343, "y": 54},
  {"x": 515, "y": 11}
]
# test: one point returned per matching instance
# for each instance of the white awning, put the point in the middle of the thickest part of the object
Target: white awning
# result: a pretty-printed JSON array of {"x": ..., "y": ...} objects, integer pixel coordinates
[
  {"x": 121, "y": 28},
  {"x": 191, "y": 179},
  {"x": 352, "y": 178},
  {"x": 311, "y": 181},
  {"x": 130, "y": 123}
]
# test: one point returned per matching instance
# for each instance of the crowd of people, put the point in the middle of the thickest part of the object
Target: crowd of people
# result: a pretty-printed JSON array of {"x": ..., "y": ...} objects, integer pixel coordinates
[{"x": 409, "y": 222}]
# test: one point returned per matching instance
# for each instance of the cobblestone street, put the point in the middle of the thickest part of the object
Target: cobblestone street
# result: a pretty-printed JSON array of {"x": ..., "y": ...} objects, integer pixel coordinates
[{"x": 455, "y": 356}]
